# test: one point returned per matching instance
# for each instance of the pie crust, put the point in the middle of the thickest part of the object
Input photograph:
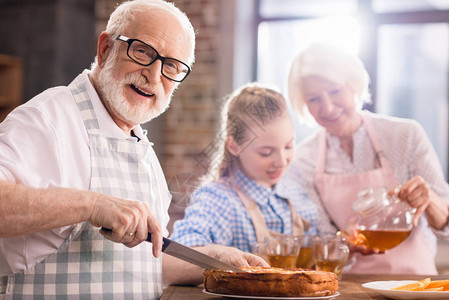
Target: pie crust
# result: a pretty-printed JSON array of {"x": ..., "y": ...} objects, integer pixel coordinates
[{"x": 272, "y": 282}]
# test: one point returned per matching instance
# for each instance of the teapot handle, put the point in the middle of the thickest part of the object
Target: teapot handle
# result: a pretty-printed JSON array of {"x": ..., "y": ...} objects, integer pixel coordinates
[{"x": 395, "y": 199}]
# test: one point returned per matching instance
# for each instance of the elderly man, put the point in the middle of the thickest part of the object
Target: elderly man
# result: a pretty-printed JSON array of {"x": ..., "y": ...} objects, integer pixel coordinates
[{"x": 75, "y": 158}]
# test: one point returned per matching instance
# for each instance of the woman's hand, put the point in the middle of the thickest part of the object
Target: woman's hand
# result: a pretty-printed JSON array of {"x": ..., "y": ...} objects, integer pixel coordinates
[
  {"x": 356, "y": 244},
  {"x": 362, "y": 249},
  {"x": 417, "y": 193}
]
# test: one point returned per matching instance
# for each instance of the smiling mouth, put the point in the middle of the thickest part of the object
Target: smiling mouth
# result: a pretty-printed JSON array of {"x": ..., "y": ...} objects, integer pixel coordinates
[
  {"x": 332, "y": 118},
  {"x": 275, "y": 174},
  {"x": 140, "y": 92}
]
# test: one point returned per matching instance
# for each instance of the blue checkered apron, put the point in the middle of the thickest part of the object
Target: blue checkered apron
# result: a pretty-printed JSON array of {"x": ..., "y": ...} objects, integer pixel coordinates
[{"x": 88, "y": 266}]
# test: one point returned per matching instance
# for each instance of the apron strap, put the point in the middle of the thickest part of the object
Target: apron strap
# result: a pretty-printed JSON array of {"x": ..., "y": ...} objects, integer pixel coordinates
[
  {"x": 299, "y": 225},
  {"x": 375, "y": 140},
  {"x": 3, "y": 284},
  {"x": 85, "y": 106},
  {"x": 256, "y": 216},
  {"x": 320, "y": 166}
]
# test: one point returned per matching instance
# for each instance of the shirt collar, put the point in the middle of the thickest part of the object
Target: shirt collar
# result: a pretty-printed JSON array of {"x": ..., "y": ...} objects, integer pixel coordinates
[
  {"x": 107, "y": 125},
  {"x": 334, "y": 141},
  {"x": 253, "y": 190}
]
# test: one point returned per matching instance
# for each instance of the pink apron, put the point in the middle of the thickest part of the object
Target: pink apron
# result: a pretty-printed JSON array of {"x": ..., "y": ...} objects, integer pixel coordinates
[{"x": 339, "y": 191}]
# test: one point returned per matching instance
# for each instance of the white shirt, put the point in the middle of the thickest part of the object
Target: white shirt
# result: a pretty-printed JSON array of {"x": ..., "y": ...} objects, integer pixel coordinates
[
  {"x": 44, "y": 144},
  {"x": 405, "y": 145}
]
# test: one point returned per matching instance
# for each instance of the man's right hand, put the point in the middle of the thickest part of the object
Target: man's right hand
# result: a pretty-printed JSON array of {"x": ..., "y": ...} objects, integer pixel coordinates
[
  {"x": 27, "y": 210},
  {"x": 129, "y": 221}
]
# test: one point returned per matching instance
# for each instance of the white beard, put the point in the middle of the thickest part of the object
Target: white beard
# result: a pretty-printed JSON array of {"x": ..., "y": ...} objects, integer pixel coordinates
[{"x": 114, "y": 98}]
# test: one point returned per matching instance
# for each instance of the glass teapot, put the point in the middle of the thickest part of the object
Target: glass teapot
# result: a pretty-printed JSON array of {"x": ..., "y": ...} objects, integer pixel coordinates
[{"x": 383, "y": 221}]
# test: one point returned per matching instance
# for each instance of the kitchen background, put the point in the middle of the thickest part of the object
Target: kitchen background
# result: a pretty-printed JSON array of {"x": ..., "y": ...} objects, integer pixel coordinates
[{"x": 403, "y": 43}]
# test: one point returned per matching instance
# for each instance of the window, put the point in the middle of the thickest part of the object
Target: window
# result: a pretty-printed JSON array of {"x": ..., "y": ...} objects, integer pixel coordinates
[
  {"x": 404, "y": 45},
  {"x": 409, "y": 5},
  {"x": 413, "y": 84},
  {"x": 301, "y": 8}
]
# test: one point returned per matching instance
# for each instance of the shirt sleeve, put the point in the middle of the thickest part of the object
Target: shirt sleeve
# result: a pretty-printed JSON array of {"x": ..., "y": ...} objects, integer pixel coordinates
[
  {"x": 29, "y": 151},
  {"x": 299, "y": 177},
  {"x": 424, "y": 162},
  {"x": 208, "y": 220},
  {"x": 29, "y": 155}
]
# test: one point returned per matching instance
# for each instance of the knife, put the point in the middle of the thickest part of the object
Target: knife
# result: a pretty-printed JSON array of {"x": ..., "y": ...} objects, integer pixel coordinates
[{"x": 192, "y": 256}]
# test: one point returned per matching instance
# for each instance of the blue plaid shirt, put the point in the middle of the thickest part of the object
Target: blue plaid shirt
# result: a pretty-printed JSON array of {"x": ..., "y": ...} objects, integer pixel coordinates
[{"x": 218, "y": 216}]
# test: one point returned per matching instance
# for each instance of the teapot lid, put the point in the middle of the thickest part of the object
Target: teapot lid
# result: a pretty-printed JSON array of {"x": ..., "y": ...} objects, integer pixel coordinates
[{"x": 369, "y": 199}]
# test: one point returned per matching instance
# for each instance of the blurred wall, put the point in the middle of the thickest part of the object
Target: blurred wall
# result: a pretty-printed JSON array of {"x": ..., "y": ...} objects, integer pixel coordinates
[{"x": 57, "y": 40}]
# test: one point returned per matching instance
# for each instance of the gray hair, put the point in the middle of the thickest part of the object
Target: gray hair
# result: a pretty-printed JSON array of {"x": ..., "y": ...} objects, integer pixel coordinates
[
  {"x": 124, "y": 14},
  {"x": 332, "y": 64}
]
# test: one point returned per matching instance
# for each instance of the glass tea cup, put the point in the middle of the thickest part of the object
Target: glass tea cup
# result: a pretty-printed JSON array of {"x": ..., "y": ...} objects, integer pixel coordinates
[
  {"x": 330, "y": 253},
  {"x": 282, "y": 250},
  {"x": 305, "y": 258},
  {"x": 260, "y": 249}
]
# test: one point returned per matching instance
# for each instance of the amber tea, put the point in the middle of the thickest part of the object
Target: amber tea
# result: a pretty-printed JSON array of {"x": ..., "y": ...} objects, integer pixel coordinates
[
  {"x": 330, "y": 265},
  {"x": 305, "y": 258},
  {"x": 282, "y": 250},
  {"x": 381, "y": 239},
  {"x": 330, "y": 253},
  {"x": 282, "y": 261}
]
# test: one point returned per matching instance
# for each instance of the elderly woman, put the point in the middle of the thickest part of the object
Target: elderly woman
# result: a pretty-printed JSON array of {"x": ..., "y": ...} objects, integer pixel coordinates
[{"x": 358, "y": 149}]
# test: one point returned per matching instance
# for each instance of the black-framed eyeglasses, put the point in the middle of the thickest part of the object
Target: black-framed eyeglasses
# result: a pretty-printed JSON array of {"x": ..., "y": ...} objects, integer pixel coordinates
[{"x": 145, "y": 55}]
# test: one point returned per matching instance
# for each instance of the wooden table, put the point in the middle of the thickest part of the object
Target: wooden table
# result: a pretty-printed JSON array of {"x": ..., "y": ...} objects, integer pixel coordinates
[{"x": 350, "y": 287}]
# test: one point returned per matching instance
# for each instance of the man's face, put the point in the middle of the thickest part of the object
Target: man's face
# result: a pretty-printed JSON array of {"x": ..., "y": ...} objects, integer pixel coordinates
[{"x": 135, "y": 94}]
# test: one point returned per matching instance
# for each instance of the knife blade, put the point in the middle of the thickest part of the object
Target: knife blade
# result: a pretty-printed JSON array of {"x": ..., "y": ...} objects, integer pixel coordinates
[
  {"x": 194, "y": 257},
  {"x": 191, "y": 255}
]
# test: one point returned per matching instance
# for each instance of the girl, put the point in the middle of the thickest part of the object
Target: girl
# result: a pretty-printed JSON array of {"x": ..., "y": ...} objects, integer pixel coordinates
[{"x": 240, "y": 204}]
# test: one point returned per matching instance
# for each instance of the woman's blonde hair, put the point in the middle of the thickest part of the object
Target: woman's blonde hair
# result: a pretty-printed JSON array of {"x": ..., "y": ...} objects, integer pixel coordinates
[
  {"x": 252, "y": 104},
  {"x": 331, "y": 63}
]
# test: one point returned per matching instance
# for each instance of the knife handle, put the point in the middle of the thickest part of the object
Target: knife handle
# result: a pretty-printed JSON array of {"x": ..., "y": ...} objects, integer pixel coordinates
[
  {"x": 110, "y": 230},
  {"x": 166, "y": 242}
]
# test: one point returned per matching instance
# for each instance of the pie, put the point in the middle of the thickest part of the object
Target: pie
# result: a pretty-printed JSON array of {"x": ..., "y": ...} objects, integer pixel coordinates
[{"x": 272, "y": 282}]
